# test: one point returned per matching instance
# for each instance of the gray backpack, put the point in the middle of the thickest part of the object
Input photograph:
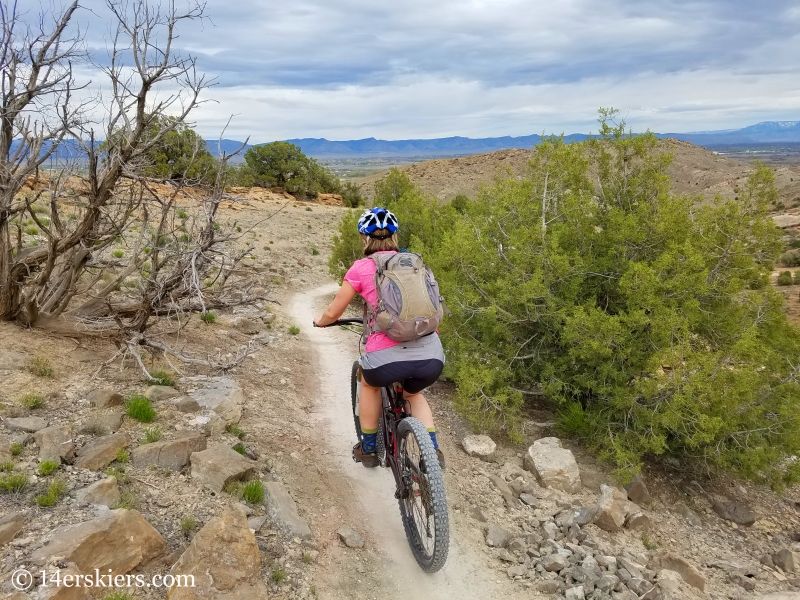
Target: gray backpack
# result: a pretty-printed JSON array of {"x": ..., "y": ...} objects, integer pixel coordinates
[{"x": 409, "y": 304}]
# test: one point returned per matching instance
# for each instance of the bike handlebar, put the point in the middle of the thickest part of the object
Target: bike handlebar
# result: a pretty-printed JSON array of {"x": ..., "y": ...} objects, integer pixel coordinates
[{"x": 343, "y": 322}]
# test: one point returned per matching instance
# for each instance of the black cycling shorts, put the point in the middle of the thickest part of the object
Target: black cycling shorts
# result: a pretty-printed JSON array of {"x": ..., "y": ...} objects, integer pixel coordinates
[{"x": 413, "y": 375}]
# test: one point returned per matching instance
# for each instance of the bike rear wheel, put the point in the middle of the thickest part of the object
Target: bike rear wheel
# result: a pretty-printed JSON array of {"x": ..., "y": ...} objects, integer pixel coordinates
[{"x": 424, "y": 509}]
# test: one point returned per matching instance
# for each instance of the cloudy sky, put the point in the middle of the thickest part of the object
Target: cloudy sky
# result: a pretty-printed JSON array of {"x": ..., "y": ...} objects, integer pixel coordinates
[{"x": 347, "y": 69}]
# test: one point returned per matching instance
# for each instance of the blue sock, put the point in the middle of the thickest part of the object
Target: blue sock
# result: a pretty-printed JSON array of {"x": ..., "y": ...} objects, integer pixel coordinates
[
  {"x": 432, "y": 433},
  {"x": 368, "y": 441}
]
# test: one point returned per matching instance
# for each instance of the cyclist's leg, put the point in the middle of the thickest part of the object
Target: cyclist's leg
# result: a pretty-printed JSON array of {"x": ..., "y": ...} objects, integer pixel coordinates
[
  {"x": 420, "y": 408},
  {"x": 369, "y": 406}
]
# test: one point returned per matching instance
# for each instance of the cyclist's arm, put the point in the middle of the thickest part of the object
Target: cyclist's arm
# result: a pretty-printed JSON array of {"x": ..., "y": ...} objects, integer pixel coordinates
[{"x": 336, "y": 308}]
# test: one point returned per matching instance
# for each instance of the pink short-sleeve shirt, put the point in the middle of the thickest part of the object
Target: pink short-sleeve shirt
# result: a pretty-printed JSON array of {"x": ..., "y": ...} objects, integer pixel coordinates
[{"x": 362, "y": 277}]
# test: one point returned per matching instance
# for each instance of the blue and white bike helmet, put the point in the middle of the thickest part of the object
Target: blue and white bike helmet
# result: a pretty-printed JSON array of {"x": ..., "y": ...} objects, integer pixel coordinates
[{"x": 376, "y": 219}]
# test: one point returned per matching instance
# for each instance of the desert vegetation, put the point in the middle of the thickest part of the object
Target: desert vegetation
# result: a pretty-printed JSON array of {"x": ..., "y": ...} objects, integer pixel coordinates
[{"x": 645, "y": 317}]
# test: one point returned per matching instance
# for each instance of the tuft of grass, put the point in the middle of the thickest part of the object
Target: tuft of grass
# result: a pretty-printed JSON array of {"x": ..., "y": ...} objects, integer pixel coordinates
[
  {"x": 253, "y": 492},
  {"x": 649, "y": 542},
  {"x": 314, "y": 251},
  {"x": 208, "y": 318},
  {"x": 118, "y": 253},
  {"x": 55, "y": 491},
  {"x": 182, "y": 214},
  {"x": 119, "y": 474},
  {"x": 188, "y": 523},
  {"x": 307, "y": 558},
  {"x": 47, "y": 467},
  {"x": 140, "y": 408},
  {"x": 233, "y": 488},
  {"x": 40, "y": 366},
  {"x": 6, "y": 466},
  {"x": 127, "y": 499},
  {"x": 152, "y": 435},
  {"x": 235, "y": 430},
  {"x": 278, "y": 575},
  {"x": 118, "y": 596},
  {"x": 161, "y": 378},
  {"x": 32, "y": 401},
  {"x": 240, "y": 449},
  {"x": 32, "y": 230},
  {"x": 16, "y": 449},
  {"x": 122, "y": 456},
  {"x": 314, "y": 591},
  {"x": 13, "y": 483},
  {"x": 239, "y": 228},
  {"x": 294, "y": 330}
]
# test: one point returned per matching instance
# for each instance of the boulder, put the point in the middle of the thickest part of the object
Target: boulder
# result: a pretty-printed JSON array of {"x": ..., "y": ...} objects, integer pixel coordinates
[
  {"x": 551, "y": 586},
  {"x": 159, "y": 393},
  {"x": 220, "y": 465},
  {"x": 554, "y": 562},
  {"x": 104, "y": 398},
  {"x": 220, "y": 394},
  {"x": 669, "y": 581},
  {"x": 503, "y": 488},
  {"x": 480, "y": 446},
  {"x": 575, "y": 593},
  {"x": 673, "y": 562},
  {"x": 170, "y": 454},
  {"x": 350, "y": 537},
  {"x": 102, "y": 452},
  {"x": 638, "y": 492},
  {"x": 611, "y": 509},
  {"x": 55, "y": 443},
  {"x": 737, "y": 512},
  {"x": 517, "y": 571},
  {"x": 497, "y": 537},
  {"x": 224, "y": 560},
  {"x": 247, "y": 326},
  {"x": 555, "y": 467},
  {"x": 105, "y": 422},
  {"x": 256, "y": 523},
  {"x": 10, "y": 525},
  {"x": 104, "y": 493},
  {"x": 592, "y": 479},
  {"x": 187, "y": 405},
  {"x": 118, "y": 540},
  {"x": 5, "y": 451},
  {"x": 282, "y": 510},
  {"x": 787, "y": 560},
  {"x": 689, "y": 515},
  {"x": 26, "y": 424},
  {"x": 638, "y": 521}
]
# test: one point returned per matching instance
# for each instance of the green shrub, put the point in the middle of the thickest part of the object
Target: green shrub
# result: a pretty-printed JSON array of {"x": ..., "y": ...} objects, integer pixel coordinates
[
  {"x": 32, "y": 401},
  {"x": 278, "y": 575},
  {"x": 161, "y": 378},
  {"x": 235, "y": 430},
  {"x": 119, "y": 595},
  {"x": 460, "y": 203},
  {"x": 797, "y": 277},
  {"x": 208, "y": 317},
  {"x": 790, "y": 259},
  {"x": 13, "y": 483},
  {"x": 182, "y": 214},
  {"x": 118, "y": 253},
  {"x": 785, "y": 278},
  {"x": 188, "y": 523},
  {"x": 294, "y": 330},
  {"x": 16, "y": 448},
  {"x": 140, "y": 408},
  {"x": 152, "y": 435},
  {"x": 55, "y": 491},
  {"x": 40, "y": 366},
  {"x": 123, "y": 456},
  {"x": 253, "y": 492},
  {"x": 314, "y": 251},
  {"x": 351, "y": 195},
  {"x": 47, "y": 467},
  {"x": 128, "y": 500},
  {"x": 32, "y": 231},
  {"x": 240, "y": 448},
  {"x": 6, "y": 467}
]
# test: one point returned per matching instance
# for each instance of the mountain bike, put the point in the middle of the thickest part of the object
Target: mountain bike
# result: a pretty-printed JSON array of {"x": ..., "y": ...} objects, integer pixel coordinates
[{"x": 404, "y": 446}]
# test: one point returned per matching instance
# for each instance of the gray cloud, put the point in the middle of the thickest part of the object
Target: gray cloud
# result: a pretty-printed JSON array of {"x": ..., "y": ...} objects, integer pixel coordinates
[{"x": 488, "y": 67}]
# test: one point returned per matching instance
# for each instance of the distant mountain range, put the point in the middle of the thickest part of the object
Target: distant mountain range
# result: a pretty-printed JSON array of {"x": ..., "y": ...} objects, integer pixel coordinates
[{"x": 768, "y": 132}]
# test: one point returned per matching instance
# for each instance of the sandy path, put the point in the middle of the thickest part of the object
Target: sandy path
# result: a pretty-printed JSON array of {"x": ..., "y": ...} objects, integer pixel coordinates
[{"x": 463, "y": 576}]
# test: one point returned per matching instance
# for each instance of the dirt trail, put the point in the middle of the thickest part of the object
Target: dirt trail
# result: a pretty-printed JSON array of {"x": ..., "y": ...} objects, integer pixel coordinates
[{"x": 463, "y": 576}]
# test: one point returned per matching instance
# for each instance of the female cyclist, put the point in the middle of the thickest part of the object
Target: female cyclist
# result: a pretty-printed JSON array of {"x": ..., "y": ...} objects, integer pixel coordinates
[{"x": 415, "y": 364}]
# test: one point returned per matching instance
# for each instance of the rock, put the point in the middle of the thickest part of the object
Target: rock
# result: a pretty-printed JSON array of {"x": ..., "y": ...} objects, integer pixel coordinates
[
  {"x": 787, "y": 220},
  {"x": 159, "y": 393},
  {"x": 611, "y": 509},
  {"x": 787, "y": 560},
  {"x": 497, "y": 537},
  {"x": 55, "y": 592},
  {"x": 108, "y": 422},
  {"x": 517, "y": 571},
  {"x": 171, "y": 454},
  {"x": 102, "y": 452},
  {"x": 104, "y": 492},
  {"x": 104, "y": 398},
  {"x": 282, "y": 511},
  {"x": 27, "y": 424},
  {"x": 247, "y": 326},
  {"x": 638, "y": 522},
  {"x": 689, "y": 515},
  {"x": 673, "y": 562},
  {"x": 748, "y": 583},
  {"x": 669, "y": 581},
  {"x": 592, "y": 479},
  {"x": 503, "y": 488},
  {"x": 529, "y": 500},
  {"x": 607, "y": 582},
  {"x": 781, "y": 596},
  {"x": 220, "y": 465},
  {"x": 584, "y": 515},
  {"x": 118, "y": 540},
  {"x": 638, "y": 492},
  {"x": 187, "y": 405},
  {"x": 256, "y": 523},
  {"x": 507, "y": 556},
  {"x": 555, "y": 467},
  {"x": 653, "y": 593},
  {"x": 517, "y": 545},
  {"x": 350, "y": 537},
  {"x": 575, "y": 593},
  {"x": 766, "y": 560},
  {"x": 638, "y": 585},
  {"x": 224, "y": 559},
  {"x": 626, "y": 594},
  {"x": 477, "y": 514},
  {"x": 554, "y": 562},
  {"x": 729, "y": 566},
  {"x": 552, "y": 586},
  {"x": 480, "y": 446},
  {"x": 222, "y": 395},
  {"x": 55, "y": 443},
  {"x": 736, "y": 512},
  {"x": 607, "y": 562},
  {"x": 10, "y": 525},
  {"x": 550, "y": 530}
]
